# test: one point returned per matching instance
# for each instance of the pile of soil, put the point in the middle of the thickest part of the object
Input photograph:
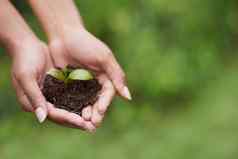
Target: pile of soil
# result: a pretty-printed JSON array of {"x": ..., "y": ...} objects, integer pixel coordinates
[{"x": 73, "y": 96}]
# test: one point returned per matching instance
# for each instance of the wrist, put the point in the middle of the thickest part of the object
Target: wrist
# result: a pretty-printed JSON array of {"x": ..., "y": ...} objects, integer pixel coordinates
[
  {"x": 17, "y": 41},
  {"x": 14, "y": 46},
  {"x": 57, "y": 16}
]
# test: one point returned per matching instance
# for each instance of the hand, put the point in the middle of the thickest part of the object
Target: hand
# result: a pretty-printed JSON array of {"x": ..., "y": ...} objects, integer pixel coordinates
[
  {"x": 31, "y": 61},
  {"x": 80, "y": 48}
]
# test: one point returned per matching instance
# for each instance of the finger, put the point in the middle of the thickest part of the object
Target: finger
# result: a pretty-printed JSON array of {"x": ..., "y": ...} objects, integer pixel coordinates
[
  {"x": 96, "y": 117},
  {"x": 23, "y": 100},
  {"x": 101, "y": 106},
  {"x": 33, "y": 93},
  {"x": 69, "y": 125},
  {"x": 64, "y": 117},
  {"x": 117, "y": 75},
  {"x": 106, "y": 96},
  {"x": 87, "y": 113}
]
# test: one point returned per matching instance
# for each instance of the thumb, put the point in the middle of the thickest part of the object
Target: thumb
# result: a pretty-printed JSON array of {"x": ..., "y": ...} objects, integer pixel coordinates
[
  {"x": 33, "y": 92},
  {"x": 117, "y": 75}
]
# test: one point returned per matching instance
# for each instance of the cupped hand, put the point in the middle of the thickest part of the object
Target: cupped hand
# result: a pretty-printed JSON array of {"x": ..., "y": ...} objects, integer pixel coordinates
[
  {"x": 29, "y": 64},
  {"x": 31, "y": 60},
  {"x": 78, "y": 47}
]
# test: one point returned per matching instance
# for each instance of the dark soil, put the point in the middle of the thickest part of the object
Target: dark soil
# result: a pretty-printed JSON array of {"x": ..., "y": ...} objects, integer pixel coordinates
[{"x": 73, "y": 96}]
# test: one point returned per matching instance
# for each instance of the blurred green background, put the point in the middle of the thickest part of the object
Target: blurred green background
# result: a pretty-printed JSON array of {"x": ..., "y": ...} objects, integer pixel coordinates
[{"x": 181, "y": 59}]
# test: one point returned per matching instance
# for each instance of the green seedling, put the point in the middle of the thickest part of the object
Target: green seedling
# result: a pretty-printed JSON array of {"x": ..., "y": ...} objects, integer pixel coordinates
[
  {"x": 67, "y": 75},
  {"x": 80, "y": 74},
  {"x": 58, "y": 74}
]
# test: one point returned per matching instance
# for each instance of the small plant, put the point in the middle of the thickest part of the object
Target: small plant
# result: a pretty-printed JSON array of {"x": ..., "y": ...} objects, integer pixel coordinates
[
  {"x": 68, "y": 74},
  {"x": 71, "y": 89}
]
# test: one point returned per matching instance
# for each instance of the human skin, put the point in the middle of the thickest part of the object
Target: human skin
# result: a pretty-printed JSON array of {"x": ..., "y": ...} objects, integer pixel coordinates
[
  {"x": 30, "y": 61},
  {"x": 27, "y": 67},
  {"x": 70, "y": 43}
]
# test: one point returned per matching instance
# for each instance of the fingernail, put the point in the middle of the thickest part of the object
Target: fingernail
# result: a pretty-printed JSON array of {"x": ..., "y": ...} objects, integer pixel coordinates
[
  {"x": 127, "y": 93},
  {"x": 40, "y": 114}
]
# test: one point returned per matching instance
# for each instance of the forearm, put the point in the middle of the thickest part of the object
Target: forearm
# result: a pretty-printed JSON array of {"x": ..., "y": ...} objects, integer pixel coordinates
[
  {"x": 56, "y": 16},
  {"x": 13, "y": 28}
]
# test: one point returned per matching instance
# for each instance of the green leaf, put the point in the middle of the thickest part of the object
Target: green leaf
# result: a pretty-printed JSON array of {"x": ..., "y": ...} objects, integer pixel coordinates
[
  {"x": 57, "y": 74},
  {"x": 80, "y": 74}
]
